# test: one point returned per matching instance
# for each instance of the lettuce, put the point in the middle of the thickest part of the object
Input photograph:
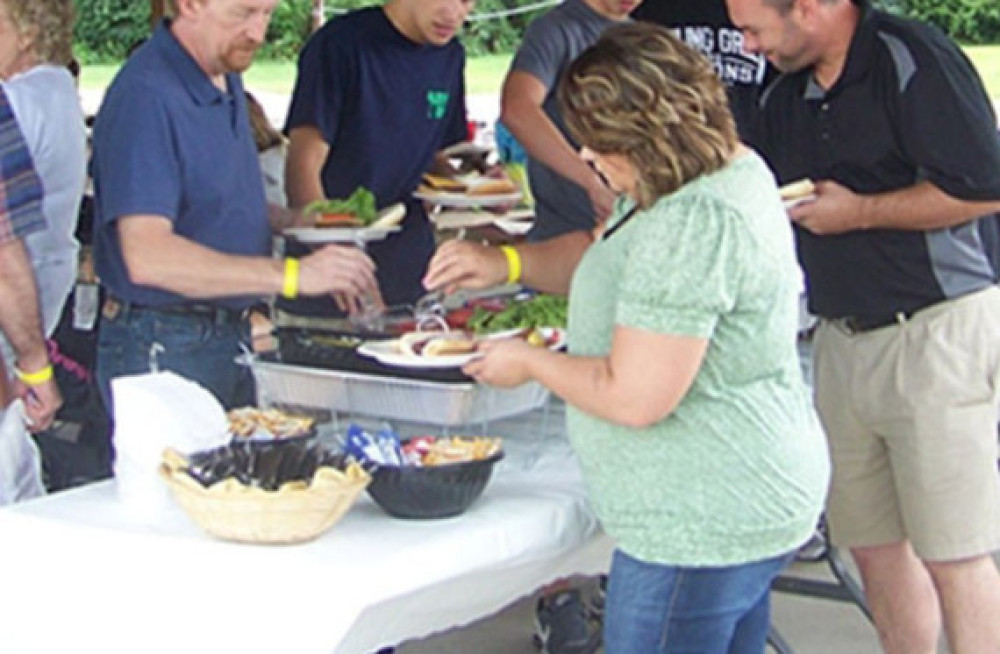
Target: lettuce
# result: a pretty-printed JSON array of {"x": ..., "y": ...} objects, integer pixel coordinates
[{"x": 361, "y": 204}]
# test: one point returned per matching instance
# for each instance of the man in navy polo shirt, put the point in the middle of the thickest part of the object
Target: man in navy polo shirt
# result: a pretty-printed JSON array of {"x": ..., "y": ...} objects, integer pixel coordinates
[
  {"x": 182, "y": 232},
  {"x": 892, "y": 122},
  {"x": 379, "y": 93}
]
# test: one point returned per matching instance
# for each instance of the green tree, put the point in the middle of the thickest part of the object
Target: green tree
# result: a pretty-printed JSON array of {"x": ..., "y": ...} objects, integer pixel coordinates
[
  {"x": 291, "y": 24},
  {"x": 106, "y": 30},
  {"x": 968, "y": 21}
]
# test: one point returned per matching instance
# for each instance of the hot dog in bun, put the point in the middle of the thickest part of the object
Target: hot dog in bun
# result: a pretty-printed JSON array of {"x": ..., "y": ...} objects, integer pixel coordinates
[{"x": 437, "y": 344}]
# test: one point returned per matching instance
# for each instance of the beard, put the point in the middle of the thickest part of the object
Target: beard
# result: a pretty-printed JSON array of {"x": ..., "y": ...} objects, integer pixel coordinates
[{"x": 238, "y": 57}]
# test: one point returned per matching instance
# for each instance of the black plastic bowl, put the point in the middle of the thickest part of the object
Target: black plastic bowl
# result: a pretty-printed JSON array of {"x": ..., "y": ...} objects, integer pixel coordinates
[{"x": 424, "y": 492}]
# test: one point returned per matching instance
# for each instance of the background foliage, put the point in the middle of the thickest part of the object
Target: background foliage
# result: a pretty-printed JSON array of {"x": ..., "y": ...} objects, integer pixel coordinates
[
  {"x": 107, "y": 29},
  {"x": 968, "y": 21}
]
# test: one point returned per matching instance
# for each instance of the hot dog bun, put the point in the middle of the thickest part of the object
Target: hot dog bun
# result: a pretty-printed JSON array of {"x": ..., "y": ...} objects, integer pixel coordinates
[
  {"x": 797, "y": 190},
  {"x": 436, "y": 344},
  {"x": 443, "y": 346}
]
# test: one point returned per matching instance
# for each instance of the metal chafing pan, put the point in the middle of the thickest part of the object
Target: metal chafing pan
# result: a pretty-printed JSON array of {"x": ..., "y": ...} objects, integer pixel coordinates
[{"x": 303, "y": 374}]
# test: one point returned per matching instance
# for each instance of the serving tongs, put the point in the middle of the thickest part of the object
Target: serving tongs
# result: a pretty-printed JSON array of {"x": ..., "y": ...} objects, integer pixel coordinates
[{"x": 429, "y": 311}]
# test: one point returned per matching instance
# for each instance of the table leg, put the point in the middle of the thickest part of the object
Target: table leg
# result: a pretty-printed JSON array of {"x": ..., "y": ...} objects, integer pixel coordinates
[
  {"x": 845, "y": 589},
  {"x": 777, "y": 643}
]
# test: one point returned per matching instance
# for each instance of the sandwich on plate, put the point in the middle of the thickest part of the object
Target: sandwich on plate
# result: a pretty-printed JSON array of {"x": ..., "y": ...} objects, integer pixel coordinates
[{"x": 437, "y": 344}]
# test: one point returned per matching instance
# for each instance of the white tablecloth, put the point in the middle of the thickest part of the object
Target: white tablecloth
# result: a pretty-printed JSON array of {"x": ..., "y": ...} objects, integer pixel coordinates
[{"x": 80, "y": 573}]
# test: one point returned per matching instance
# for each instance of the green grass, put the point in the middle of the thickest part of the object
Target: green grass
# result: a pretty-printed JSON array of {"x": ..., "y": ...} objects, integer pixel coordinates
[
  {"x": 986, "y": 59},
  {"x": 484, "y": 74}
]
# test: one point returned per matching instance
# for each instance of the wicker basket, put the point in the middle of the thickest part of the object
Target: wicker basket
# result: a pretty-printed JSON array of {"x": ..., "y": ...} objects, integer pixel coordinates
[{"x": 295, "y": 513}]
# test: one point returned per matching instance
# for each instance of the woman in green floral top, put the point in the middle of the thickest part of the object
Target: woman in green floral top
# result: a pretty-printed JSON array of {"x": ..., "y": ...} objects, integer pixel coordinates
[{"x": 686, "y": 404}]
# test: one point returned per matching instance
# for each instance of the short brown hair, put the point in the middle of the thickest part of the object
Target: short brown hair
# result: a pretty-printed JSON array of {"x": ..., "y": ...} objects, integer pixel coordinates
[
  {"x": 642, "y": 93},
  {"x": 49, "y": 23}
]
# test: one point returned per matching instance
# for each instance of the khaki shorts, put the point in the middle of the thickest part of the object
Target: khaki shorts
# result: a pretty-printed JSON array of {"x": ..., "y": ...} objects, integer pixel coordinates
[{"x": 911, "y": 414}]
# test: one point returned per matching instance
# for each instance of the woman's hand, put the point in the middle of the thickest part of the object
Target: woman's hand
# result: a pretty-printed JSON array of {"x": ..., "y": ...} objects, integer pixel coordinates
[
  {"x": 504, "y": 362},
  {"x": 602, "y": 198},
  {"x": 463, "y": 264}
]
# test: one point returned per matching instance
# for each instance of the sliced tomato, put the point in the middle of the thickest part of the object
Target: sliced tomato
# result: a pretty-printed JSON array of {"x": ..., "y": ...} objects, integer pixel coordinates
[
  {"x": 489, "y": 304},
  {"x": 337, "y": 220},
  {"x": 459, "y": 318}
]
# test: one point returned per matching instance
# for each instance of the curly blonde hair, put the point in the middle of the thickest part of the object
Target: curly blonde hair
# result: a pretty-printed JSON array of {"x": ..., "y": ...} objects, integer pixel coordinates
[
  {"x": 642, "y": 93},
  {"x": 49, "y": 23}
]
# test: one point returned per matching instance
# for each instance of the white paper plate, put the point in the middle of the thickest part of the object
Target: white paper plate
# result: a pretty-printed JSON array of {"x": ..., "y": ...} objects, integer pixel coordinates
[
  {"x": 388, "y": 352},
  {"x": 466, "y": 200},
  {"x": 465, "y": 148},
  {"x": 339, "y": 234},
  {"x": 554, "y": 336},
  {"x": 514, "y": 227}
]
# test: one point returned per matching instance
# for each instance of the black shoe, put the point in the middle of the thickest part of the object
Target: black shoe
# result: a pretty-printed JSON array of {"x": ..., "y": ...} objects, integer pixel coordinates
[{"x": 561, "y": 625}]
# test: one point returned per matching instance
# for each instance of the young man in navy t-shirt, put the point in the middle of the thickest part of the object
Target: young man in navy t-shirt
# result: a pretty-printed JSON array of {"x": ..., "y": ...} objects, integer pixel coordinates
[{"x": 380, "y": 92}]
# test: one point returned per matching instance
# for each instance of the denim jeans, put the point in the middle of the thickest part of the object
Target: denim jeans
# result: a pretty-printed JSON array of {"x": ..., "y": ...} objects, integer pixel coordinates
[
  {"x": 662, "y": 609},
  {"x": 198, "y": 348}
]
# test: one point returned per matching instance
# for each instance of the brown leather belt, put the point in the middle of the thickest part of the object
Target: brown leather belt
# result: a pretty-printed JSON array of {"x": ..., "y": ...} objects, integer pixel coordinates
[
  {"x": 114, "y": 307},
  {"x": 861, "y": 324}
]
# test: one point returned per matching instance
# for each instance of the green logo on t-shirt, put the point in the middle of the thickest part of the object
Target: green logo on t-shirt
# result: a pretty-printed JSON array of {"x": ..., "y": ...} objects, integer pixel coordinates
[{"x": 437, "y": 102}]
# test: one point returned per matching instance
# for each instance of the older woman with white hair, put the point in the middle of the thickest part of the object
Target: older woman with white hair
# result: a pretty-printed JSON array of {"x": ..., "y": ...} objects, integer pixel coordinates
[{"x": 35, "y": 49}]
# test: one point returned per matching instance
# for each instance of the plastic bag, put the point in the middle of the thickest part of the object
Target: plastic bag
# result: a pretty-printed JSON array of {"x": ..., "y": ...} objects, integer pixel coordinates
[
  {"x": 20, "y": 460},
  {"x": 152, "y": 412}
]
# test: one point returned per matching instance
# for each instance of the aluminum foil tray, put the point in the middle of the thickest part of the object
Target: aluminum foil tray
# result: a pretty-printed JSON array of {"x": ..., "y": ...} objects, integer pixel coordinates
[{"x": 447, "y": 404}]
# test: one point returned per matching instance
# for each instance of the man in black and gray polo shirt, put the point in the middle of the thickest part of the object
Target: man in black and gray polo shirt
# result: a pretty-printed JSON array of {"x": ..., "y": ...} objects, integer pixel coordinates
[{"x": 893, "y": 124}]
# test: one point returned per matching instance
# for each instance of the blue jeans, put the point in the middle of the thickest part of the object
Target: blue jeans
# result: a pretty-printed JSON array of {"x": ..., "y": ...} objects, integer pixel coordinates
[
  {"x": 198, "y": 348},
  {"x": 662, "y": 609}
]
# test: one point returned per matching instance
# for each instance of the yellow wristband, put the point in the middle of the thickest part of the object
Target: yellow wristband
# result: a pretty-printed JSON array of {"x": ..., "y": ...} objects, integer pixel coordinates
[
  {"x": 290, "y": 288},
  {"x": 35, "y": 378},
  {"x": 513, "y": 263}
]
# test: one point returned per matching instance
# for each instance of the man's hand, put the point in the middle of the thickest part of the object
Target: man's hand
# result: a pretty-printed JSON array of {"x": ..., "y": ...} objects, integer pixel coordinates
[
  {"x": 835, "y": 210},
  {"x": 345, "y": 271},
  {"x": 464, "y": 264},
  {"x": 41, "y": 402}
]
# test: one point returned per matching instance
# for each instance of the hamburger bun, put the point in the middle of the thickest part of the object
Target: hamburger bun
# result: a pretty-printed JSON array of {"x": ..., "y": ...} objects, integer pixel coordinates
[
  {"x": 494, "y": 187},
  {"x": 797, "y": 190},
  {"x": 443, "y": 184}
]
